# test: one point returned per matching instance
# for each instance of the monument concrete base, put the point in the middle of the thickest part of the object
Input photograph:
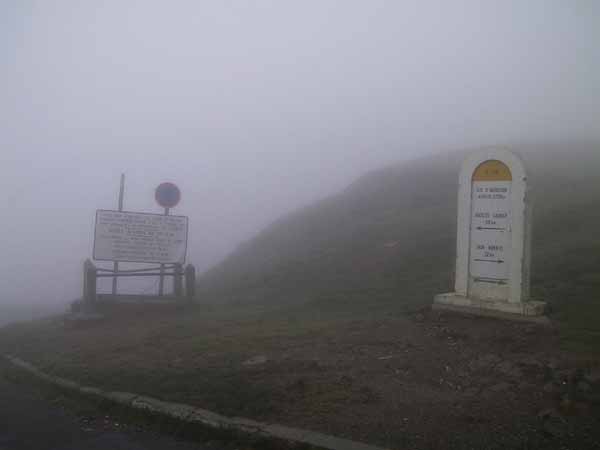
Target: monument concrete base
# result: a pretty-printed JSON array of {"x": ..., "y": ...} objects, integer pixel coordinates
[{"x": 531, "y": 311}]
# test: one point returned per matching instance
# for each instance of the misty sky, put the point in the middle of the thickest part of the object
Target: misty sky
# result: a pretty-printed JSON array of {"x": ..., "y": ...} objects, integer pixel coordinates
[{"x": 255, "y": 108}]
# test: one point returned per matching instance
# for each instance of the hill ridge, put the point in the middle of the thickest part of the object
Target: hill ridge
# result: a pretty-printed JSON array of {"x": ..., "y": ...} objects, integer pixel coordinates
[{"x": 389, "y": 236}]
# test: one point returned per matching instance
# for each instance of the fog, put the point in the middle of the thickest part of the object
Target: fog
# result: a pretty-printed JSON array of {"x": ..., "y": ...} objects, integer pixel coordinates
[{"x": 256, "y": 108}]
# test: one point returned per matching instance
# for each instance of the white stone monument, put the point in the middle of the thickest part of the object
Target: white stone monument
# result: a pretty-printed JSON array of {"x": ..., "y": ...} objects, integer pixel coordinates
[{"x": 493, "y": 238}]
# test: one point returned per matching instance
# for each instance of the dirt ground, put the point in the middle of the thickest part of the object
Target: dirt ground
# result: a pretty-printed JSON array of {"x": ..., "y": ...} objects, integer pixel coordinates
[{"x": 421, "y": 380}]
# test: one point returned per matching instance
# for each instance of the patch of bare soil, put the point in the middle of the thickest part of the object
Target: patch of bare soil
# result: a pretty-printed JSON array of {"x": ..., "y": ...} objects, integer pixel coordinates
[
  {"x": 428, "y": 380},
  {"x": 436, "y": 381}
]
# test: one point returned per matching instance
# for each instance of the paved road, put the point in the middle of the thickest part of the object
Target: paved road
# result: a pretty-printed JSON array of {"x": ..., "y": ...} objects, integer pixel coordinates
[{"x": 33, "y": 417}]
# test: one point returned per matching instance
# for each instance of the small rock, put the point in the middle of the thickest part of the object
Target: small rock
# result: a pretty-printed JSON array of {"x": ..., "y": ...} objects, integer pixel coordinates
[
  {"x": 593, "y": 376},
  {"x": 548, "y": 413},
  {"x": 553, "y": 422},
  {"x": 554, "y": 428},
  {"x": 470, "y": 392},
  {"x": 509, "y": 369},
  {"x": 368, "y": 395},
  {"x": 346, "y": 380},
  {"x": 566, "y": 404},
  {"x": 532, "y": 362},
  {"x": 583, "y": 387},
  {"x": 500, "y": 387},
  {"x": 594, "y": 399},
  {"x": 551, "y": 388},
  {"x": 582, "y": 408},
  {"x": 475, "y": 419},
  {"x": 299, "y": 384},
  {"x": 256, "y": 360},
  {"x": 552, "y": 363},
  {"x": 566, "y": 375},
  {"x": 484, "y": 362},
  {"x": 525, "y": 386}
]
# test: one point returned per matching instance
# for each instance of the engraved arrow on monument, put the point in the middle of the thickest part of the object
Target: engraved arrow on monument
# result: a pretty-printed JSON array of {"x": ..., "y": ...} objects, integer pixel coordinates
[
  {"x": 490, "y": 260},
  {"x": 491, "y": 280},
  {"x": 491, "y": 228}
]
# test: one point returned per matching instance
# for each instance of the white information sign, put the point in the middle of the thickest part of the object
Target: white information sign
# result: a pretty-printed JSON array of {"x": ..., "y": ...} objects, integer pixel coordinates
[
  {"x": 140, "y": 237},
  {"x": 490, "y": 248}
]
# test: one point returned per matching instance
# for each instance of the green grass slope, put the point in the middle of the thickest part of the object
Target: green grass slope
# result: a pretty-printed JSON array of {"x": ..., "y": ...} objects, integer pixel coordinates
[{"x": 390, "y": 238}]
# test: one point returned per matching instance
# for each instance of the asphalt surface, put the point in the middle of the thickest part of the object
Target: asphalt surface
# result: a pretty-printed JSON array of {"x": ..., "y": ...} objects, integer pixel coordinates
[{"x": 33, "y": 417}]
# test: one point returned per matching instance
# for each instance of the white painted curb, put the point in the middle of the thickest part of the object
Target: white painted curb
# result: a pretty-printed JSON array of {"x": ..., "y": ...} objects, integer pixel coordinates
[{"x": 192, "y": 414}]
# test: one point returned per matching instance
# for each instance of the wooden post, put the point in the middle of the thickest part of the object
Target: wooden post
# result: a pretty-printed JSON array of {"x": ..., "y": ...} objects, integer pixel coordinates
[
  {"x": 89, "y": 284},
  {"x": 85, "y": 271},
  {"x": 190, "y": 282},
  {"x": 178, "y": 281}
]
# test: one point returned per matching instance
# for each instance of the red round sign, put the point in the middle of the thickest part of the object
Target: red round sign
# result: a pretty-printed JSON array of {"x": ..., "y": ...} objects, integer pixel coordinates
[{"x": 167, "y": 195}]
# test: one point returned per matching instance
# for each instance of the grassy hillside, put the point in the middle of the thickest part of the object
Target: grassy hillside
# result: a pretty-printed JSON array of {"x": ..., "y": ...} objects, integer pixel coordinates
[{"x": 390, "y": 237}]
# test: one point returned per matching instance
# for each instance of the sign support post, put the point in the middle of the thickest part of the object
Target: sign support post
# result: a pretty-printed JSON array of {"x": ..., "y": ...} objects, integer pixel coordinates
[
  {"x": 161, "y": 281},
  {"x": 166, "y": 195},
  {"x": 120, "y": 205}
]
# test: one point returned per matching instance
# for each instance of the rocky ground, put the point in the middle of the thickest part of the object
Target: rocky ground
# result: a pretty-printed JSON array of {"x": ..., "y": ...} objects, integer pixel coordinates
[{"x": 424, "y": 380}]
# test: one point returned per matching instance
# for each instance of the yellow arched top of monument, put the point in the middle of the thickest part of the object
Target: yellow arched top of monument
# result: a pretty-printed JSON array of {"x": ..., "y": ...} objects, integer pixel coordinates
[{"x": 492, "y": 170}]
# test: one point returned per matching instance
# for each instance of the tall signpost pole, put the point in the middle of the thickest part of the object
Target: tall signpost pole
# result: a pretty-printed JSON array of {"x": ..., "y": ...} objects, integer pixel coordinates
[
  {"x": 167, "y": 195},
  {"x": 116, "y": 264},
  {"x": 161, "y": 281}
]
